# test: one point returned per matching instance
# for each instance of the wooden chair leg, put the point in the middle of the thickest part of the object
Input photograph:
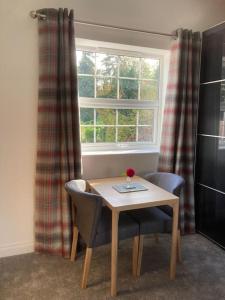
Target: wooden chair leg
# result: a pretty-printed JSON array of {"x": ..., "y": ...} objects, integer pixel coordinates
[
  {"x": 178, "y": 246},
  {"x": 156, "y": 236},
  {"x": 74, "y": 244},
  {"x": 140, "y": 251},
  {"x": 135, "y": 255},
  {"x": 86, "y": 267}
]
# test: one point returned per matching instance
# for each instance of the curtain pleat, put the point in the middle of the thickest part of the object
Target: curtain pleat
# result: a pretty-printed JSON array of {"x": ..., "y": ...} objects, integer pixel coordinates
[
  {"x": 177, "y": 149},
  {"x": 58, "y": 144}
]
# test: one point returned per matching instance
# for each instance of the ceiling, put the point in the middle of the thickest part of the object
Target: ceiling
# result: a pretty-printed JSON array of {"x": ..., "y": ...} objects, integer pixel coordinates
[{"x": 152, "y": 15}]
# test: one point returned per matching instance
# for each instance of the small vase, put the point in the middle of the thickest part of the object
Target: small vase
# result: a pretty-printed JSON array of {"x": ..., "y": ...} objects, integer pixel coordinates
[{"x": 129, "y": 179}]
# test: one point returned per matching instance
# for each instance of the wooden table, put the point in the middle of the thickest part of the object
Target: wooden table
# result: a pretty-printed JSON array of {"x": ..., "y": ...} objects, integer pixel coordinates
[{"x": 118, "y": 202}]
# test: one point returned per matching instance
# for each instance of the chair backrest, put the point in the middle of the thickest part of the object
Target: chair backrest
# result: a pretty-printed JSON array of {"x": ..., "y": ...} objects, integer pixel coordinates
[
  {"x": 88, "y": 211},
  {"x": 79, "y": 184},
  {"x": 170, "y": 182}
]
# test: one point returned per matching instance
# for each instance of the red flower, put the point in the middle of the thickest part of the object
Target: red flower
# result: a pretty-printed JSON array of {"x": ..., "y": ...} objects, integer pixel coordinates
[{"x": 130, "y": 172}]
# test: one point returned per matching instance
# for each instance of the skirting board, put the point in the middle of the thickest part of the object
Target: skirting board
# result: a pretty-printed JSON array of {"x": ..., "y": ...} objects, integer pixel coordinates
[{"x": 16, "y": 249}]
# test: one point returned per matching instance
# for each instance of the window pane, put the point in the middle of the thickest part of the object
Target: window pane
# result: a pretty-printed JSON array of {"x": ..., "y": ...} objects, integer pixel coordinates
[
  {"x": 129, "y": 67},
  {"x": 127, "y": 116},
  {"x": 86, "y": 116},
  {"x": 126, "y": 134},
  {"x": 128, "y": 89},
  {"x": 85, "y": 62},
  {"x": 106, "y": 88},
  {"x": 87, "y": 134},
  {"x": 149, "y": 68},
  {"x": 105, "y": 116},
  {"x": 149, "y": 90},
  {"x": 105, "y": 134},
  {"x": 106, "y": 64},
  {"x": 145, "y": 117},
  {"x": 145, "y": 134},
  {"x": 86, "y": 86}
]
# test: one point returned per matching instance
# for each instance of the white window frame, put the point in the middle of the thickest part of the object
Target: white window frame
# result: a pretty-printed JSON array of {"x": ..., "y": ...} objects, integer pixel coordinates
[{"x": 156, "y": 106}]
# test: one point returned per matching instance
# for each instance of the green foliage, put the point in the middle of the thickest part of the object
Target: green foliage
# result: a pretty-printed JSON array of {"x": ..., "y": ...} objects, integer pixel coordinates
[
  {"x": 149, "y": 90},
  {"x": 128, "y": 89},
  {"x": 86, "y": 64},
  {"x": 106, "y": 87},
  {"x": 149, "y": 68},
  {"x": 126, "y": 134},
  {"x": 144, "y": 134},
  {"x": 129, "y": 67},
  {"x": 127, "y": 116},
  {"x": 87, "y": 116},
  {"x": 87, "y": 134},
  {"x": 105, "y": 134},
  {"x": 86, "y": 86},
  {"x": 105, "y": 116},
  {"x": 145, "y": 116},
  {"x": 107, "y": 65}
]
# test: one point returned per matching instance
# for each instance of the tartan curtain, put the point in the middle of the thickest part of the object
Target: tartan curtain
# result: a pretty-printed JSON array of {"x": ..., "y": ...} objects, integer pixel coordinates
[
  {"x": 58, "y": 145},
  {"x": 177, "y": 149}
]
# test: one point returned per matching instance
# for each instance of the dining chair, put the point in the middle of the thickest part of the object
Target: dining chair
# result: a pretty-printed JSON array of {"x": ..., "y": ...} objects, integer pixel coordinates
[
  {"x": 156, "y": 220},
  {"x": 94, "y": 221},
  {"x": 79, "y": 184}
]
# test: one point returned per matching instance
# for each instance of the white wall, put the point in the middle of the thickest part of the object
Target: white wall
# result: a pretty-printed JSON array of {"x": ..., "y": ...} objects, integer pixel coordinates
[
  {"x": 99, "y": 166},
  {"x": 19, "y": 84}
]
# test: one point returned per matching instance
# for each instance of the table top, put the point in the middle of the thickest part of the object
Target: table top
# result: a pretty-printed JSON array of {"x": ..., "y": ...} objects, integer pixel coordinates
[{"x": 154, "y": 196}]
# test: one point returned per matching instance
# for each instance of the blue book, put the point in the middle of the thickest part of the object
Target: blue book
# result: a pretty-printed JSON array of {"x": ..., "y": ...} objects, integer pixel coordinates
[{"x": 127, "y": 188}]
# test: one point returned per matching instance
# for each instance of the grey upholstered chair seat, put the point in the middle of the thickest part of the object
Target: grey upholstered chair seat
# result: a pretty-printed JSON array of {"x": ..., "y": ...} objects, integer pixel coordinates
[
  {"x": 168, "y": 181},
  {"x": 127, "y": 228},
  {"x": 167, "y": 209},
  {"x": 93, "y": 222},
  {"x": 158, "y": 219},
  {"x": 152, "y": 220}
]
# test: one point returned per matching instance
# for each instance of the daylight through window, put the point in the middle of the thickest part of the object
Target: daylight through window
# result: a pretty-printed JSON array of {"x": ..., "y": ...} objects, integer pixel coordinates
[{"x": 119, "y": 98}]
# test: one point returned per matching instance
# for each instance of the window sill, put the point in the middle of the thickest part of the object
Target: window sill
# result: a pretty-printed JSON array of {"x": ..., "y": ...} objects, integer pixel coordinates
[{"x": 120, "y": 152}]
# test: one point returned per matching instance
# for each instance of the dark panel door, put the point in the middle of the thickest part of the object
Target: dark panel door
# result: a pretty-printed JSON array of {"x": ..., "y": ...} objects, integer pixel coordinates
[
  {"x": 210, "y": 154},
  {"x": 212, "y": 109},
  {"x": 213, "y": 52},
  {"x": 211, "y": 214},
  {"x": 210, "y": 165}
]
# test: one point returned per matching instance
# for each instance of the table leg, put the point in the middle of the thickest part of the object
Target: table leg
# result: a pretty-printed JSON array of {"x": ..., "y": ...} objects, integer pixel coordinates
[
  {"x": 173, "y": 258},
  {"x": 114, "y": 251}
]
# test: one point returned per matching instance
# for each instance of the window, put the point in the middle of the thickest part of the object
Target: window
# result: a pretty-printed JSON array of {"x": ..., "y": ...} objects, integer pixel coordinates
[{"x": 119, "y": 96}]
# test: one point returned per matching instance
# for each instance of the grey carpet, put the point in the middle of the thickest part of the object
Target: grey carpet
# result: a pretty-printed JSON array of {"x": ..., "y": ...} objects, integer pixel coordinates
[{"x": 200, "y": 276}]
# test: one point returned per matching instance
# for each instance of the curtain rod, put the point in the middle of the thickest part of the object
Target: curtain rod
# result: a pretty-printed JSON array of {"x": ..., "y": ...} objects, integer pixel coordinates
[{"x": 35, "y": 15}]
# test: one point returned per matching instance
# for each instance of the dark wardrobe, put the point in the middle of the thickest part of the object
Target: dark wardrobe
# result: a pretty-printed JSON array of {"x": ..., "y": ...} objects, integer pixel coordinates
[{"x": 210, "y": 155}]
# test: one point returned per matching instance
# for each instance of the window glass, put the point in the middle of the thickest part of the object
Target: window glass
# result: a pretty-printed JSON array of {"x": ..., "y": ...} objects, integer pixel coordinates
[
  {"x": 118, "y": 97},
  {"x": 105, "y": 134},
  {"x": 126, "y": 134},
  {"x": 106, "y": 65},
  {"x": 106, "y": 87},
  {"x": 149, "y": 90},
  {"x": 105, "y": 116},
  {"x": 145, "y": 117},
  {"x": 85, "y": 62},
  {"x": 128, "y": 89},
  {"x": 129, "y": 67},
  {"x": 87, "y": 134},
  {"x": 87, "y": 116},
  {"x": 86, "y": 86},
  {"x": 144, "y": 134},
  {"x": 127, "y": 117},
  {"x": 149, "y": 68}
]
